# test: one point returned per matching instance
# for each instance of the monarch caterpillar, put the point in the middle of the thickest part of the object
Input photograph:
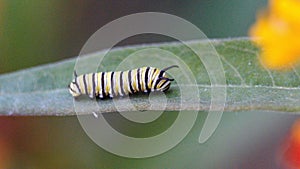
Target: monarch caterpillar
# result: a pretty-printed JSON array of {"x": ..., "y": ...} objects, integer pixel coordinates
[{"x": 110, "y": 84}]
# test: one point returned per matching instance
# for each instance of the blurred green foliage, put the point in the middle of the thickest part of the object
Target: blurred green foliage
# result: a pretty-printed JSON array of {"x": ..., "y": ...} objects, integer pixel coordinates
[
  {"x": 35, "y": 32},
  {"x": 30, "y": 34}
]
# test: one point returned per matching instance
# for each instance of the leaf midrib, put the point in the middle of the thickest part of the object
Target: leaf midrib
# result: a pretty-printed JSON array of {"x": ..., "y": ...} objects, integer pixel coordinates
[{"x": 177, "y": 86}]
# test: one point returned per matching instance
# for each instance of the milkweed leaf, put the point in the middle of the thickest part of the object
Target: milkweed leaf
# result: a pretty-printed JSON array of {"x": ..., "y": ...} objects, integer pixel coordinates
[{"x": 43, "y": 90}]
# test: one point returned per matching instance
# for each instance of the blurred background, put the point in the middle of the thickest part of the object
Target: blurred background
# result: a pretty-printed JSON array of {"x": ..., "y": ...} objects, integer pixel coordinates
[{"x": 36, "y": 32}]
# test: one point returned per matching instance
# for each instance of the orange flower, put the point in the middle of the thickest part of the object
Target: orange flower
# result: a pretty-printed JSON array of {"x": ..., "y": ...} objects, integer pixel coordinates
[
  {"x": 291, "y": 148},
  {"x": 278, "y": 32}
]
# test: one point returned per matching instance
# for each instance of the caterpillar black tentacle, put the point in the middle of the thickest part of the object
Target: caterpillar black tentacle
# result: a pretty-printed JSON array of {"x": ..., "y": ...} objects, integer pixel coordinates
[
  {"x": 111, "y": 84},
  {"x": 170, "y": 67},
  {"x": 75, "y": 74},
  {"x": 165, "y": 78}
]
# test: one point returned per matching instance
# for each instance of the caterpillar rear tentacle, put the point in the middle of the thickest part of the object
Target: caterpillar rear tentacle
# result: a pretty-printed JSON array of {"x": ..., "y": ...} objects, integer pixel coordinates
[
  {"x": 111, "y": 84},
  {"x": 75, "y": 74}
]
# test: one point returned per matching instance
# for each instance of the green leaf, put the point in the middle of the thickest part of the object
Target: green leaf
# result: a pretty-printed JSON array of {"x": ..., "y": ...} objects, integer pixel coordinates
[{"x": 43, "y": 90}]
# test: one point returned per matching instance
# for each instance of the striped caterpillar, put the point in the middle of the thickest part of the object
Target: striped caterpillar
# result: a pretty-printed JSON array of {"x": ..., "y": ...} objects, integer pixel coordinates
[{"x": 111, "y": 84}]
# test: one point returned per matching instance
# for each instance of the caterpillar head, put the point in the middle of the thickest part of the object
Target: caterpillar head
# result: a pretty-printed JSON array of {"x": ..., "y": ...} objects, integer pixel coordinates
[
  {"x": 162, "y": 82},
  {"x": 74, "y": 87}
]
